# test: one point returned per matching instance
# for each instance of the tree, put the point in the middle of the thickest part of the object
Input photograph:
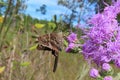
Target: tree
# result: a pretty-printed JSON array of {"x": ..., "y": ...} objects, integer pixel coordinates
[
  {"x": 42, "y": 9},
  {"x": 81, "y": 10}
]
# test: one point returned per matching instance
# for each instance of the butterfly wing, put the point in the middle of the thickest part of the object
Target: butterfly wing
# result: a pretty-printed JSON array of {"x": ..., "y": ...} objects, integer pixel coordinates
[
  {"x": 51, "y": 42},
  {"x": 43, "y": 42}
]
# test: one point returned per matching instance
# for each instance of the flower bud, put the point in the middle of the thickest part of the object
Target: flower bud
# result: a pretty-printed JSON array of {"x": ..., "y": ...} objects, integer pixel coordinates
[
  {"x": 106, "y": 67},
  {"x": 94, "y": 73},
  {"x": 108, "y": 78}
]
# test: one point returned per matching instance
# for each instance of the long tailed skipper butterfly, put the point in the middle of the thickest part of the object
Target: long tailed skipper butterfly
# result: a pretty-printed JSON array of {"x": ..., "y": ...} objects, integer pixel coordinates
[{"x": 51, "y": 42}]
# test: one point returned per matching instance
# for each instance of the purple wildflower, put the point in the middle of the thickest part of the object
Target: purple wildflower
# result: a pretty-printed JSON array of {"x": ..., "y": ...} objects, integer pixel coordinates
[
  {"x": 72, "y": 37},
  {"x": 117, "y": 60},
  {"x": 108, "y": 78},
  {"x": 70, "y": 47},
  {"x": 102, "y": 42},
  {"x": 106, "y": 67},
  {"x": 94, "y": 73}
]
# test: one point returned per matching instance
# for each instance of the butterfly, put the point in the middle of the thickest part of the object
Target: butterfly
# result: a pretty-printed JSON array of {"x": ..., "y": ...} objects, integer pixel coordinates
[{"x": 51, "y": 42}]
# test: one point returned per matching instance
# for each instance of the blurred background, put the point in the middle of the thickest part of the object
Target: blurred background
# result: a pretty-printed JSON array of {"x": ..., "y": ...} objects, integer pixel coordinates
[{"x": 22, "y": 20}]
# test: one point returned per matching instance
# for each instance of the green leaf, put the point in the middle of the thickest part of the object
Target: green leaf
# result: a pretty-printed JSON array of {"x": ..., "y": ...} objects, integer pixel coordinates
[
  {"x": 25, "y": 64},
  {"x": 51, "y": 25},
  {"x": 33, "y": 47},
  {"x": 99, "y": 78},
  {"x": 38, "y": 25},
  {"x": 65, "y": 43}
]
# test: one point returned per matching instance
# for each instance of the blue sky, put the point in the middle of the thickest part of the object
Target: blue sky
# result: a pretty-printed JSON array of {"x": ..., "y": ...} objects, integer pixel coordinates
[{"x": 52, "y": 8}]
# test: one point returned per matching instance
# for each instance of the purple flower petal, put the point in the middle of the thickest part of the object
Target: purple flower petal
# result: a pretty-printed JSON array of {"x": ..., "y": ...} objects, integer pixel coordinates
[
  {"x": 94, "y": 73},
  {"x": 108, "y": 78},
  {"x": 106, "y": 67},
  {"x": 72, "y": 37}
]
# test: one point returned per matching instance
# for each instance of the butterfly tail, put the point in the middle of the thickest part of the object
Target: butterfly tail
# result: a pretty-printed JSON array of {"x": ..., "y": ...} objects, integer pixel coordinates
[{"x": 55, "y": 63}]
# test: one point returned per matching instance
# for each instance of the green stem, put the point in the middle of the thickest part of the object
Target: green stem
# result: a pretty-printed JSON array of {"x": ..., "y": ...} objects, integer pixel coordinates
[{"x": 6, "y": 13}]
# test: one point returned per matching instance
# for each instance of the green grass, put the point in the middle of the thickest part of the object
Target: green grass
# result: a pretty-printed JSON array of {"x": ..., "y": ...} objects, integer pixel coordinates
[
  {"x": 41, "y": 62},
  {"x": 21, "y": 63}
]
